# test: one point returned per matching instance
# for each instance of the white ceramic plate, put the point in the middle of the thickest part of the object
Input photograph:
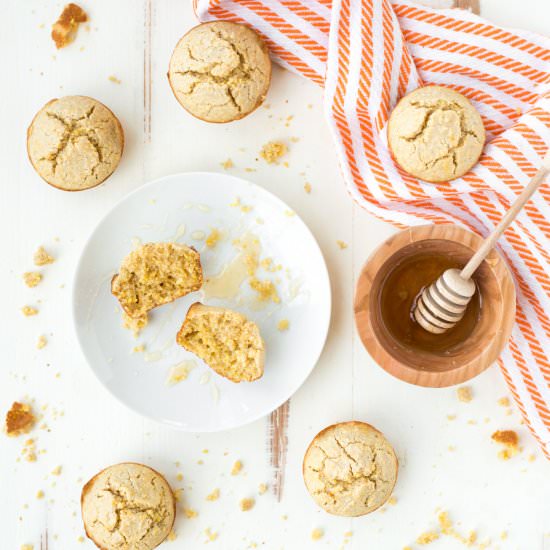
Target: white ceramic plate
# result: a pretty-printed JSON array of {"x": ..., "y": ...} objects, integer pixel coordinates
[{"x": 185, "y": 208}]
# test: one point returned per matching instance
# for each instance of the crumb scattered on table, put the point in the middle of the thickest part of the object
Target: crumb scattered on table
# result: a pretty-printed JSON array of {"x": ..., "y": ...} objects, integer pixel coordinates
[
  {"x": 427, "y": 538},
  {"x": 464, "y": 394},
  {"x": 510, "y": 440},
  {"x": 247, "y": 504},
  {"x": 19, "y": 419},
  {"x": 114, "y": 79},
  {"x": 504, "y": 402},
  {"x": 317, "y": 533},
  {"x": 41, "y": 257},
  {"x": 342, "y": 245},
  {"x": 32, "y": 278},
  {"x": 307, "y": 188},
  {"x": 210, "y": 535},
  {"x": 57, "y": 471},
  {"x": 40, "y": 494},
  {"x": 237, "y": 467},
  {"x": 214, "y": 495},
  {"x": 262, "y": 488},
  {"x": 190, "y": 513},
  {"x": 227, "y": 164},
  {"x": 271, "y": 152},
  {"x": 65, "y": 28},
  {"x": 29, "y": 311}
]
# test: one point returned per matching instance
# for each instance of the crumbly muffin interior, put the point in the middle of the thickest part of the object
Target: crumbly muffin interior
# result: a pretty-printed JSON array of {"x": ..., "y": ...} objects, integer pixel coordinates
[
  {"x": 226, "y": 341},
  {"x": 156, "y": 274}
]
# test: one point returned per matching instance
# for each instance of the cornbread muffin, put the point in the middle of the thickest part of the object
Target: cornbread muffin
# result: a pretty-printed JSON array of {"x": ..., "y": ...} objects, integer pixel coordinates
[
  {"x": 220, "y": 71},
  {"x": 350, "y": 469},
  {"x": 127, "y": 507},
  {"x": 435, "y": 134},
  {"x": 155, "y": 274},
  {"x": 225, "y": 340},
  {"x": 75, "y": 142}
]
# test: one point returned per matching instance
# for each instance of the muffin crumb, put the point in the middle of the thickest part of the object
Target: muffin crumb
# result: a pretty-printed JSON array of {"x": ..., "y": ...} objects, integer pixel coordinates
[
  {"x": 262, "y": 488},
  {"x": 57, "y": 471},
  {"x": 509, "y": 439},
  {"x": 29, "y": 311},
  {"x": 317, "y": 533},
  {"x": 271, "y": 152},
  {"x": 341, "y": 245},
  {"x": 237, "y": 467},
  {"x": 283, "y": 325},
  {"x": 32, "y": 278},
  {"x": 190, "y": 513},
  {"x": 41, "y": 257},
  {"x": 210, "y": 535},
  {"x": 247, "y": 504},
  {"x": 19, "y": 419},
  {"x": 504, "y": 402},
  {"x": 464, "y": 394},
  {"x": 65, "y": 28},
  {"x": 114, "y": 79},
  {"x": 40, "y": 494},
  {"x": 214, "y": 495},
  {"x": 427, "y": 538},
  {"x": 307, "y": 188},
  {"x": 213, "y": 238},
  {"x": 227, "y": 164}
]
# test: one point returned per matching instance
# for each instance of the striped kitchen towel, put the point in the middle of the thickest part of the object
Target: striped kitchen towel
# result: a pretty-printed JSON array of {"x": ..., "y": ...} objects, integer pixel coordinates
[{"x": 369, "y": 53}]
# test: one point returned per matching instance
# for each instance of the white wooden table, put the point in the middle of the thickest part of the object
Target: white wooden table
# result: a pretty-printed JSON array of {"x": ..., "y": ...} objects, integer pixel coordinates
[{"x": 87, "y": 429}]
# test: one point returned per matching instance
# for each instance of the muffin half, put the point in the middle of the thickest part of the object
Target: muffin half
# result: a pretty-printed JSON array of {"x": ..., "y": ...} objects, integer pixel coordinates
[
  {"x": 225, "y": 340},
  {"x": 155, "y": 274}
]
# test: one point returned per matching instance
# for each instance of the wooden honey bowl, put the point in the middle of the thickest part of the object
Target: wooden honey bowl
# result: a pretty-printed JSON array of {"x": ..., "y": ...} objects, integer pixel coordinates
[{"x": 470, "y": 357}]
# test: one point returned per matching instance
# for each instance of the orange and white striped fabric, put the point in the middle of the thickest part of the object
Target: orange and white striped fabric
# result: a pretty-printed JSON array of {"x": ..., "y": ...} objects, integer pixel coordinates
[{"x": 367, "y": 54}]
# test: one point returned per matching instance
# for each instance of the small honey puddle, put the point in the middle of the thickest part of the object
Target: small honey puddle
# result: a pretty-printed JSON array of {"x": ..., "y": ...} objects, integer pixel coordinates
[{"x": 227, "y": 283}]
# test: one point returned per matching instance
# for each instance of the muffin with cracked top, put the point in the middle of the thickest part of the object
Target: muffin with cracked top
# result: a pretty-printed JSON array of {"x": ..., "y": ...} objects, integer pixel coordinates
[
  {"x": 220, "y": 71},
  {"x": 350, "y": 469},
  {"x": 128, "y": 506},
  {"x": 435, "y": 134},
  {"x": 75, "y": 143}
]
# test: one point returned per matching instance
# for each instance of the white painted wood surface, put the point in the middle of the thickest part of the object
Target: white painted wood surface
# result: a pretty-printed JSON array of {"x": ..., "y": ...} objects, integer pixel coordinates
[{"x": 479, "y": 491}]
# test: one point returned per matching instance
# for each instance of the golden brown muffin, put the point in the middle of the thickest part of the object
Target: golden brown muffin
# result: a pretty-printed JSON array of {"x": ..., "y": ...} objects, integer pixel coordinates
[
  {"x": 128, "y": 506},
  {"x": 155, "y": 274},
  {"x": 75, "y": 143},
  {"x": 225, "y": 340},
  {"x": 435, "y": 134},
  {"x": 220, "y": 71},
  {"x": 350, "y": 469}
]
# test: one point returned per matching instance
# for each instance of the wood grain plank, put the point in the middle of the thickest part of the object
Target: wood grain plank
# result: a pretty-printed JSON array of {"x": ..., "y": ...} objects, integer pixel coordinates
[
  {"x": 472, "y": 5},
  {"x": 278, "y": 445},
  {"x": 44, "y": 540}
]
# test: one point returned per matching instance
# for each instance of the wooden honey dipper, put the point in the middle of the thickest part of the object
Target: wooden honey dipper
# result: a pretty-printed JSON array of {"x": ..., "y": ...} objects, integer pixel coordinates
[{"x": 443, "y": 303}]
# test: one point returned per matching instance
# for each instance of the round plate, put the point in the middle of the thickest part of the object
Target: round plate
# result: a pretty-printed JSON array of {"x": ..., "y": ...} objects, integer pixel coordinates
[{"x": 185, "y": 208}]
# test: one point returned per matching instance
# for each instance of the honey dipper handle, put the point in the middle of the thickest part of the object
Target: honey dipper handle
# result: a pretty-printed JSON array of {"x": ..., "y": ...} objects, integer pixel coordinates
[{"x": 519, "y": 203}]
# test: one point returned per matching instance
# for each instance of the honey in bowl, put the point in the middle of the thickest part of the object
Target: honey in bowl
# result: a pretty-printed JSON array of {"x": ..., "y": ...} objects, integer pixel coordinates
[{"x": 402, "y": 287}]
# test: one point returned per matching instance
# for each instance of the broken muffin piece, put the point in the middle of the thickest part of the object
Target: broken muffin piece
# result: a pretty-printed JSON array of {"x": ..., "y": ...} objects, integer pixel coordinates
[
  {"x": 19, "y": 419},
  {"x": 155, "y": 274},
  {"x": 64, "y": 29},
  {"x": 225, "y": 340}
]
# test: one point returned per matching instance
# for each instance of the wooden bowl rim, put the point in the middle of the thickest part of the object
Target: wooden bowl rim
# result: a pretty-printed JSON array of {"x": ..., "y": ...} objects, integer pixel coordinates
[{"x": 363, "y": 317}]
